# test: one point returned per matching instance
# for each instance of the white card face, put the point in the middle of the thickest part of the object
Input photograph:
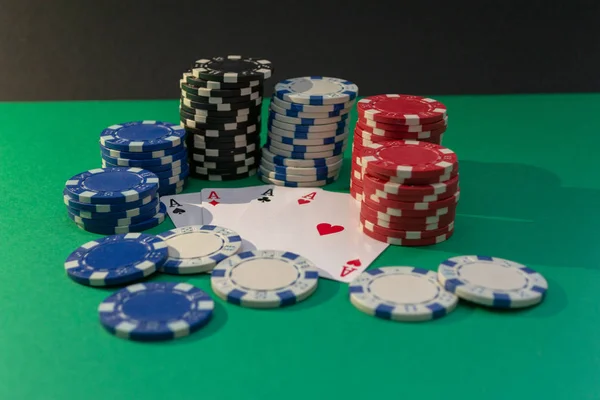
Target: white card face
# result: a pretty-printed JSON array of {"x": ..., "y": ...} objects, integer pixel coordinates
[
  {"x": 327, "y": 232},
  {"x": 225, "y": 207},
  {"x": 184, "y": 209}
]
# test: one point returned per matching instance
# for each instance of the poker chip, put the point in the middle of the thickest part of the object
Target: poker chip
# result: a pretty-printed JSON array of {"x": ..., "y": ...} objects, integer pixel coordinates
[
  {"x": 190, "y": 78},
  {"x": 307, "y": 128},
  {"x": 220, "y": 134},
  {"x": 492, "y": 281},
  {"x": 115, "y": 219},
  {"x": 412, "y": 205},
  {"x": 399, "y": 212},
  {"x": 306, "y": 149},
  {"x": 408, "y": 218},
  {"x": 401, "y": 294},
  {"x": 111, "y": 185},
  {"x": 303, "y": 155},
  {"x": 172, "y": 189},
  {"x": 219, "y": 114},
  {"x": 218, "y": 153},
  {"x": 112, "y": 214},
  {"x": 365, "y": 138},
  {"x": 303, "y": 114},
  {"x": 116, "y": 260},
  {"x": 232, "y": 126},
  {"x": 300, "y": 163},
  {"x": 325, "y": 108},
  {"x": 407, "y": 242},
  {"x": 214, "y": 93},
  {"x": 218, "y": 120},
  {"x": 400, "y": 108},
  {"x": 414, "y": 224},
  {"x": 409, "y": 159},
  {"x": 232, "y": 68},
  {"x": 156, "y": 311},
  {"x": 104, "y": 208},
  {"x": 316, "y": 90},
  {"x": 412, "y": 181},
  {"x": 232, "y": 171},
  {"x": 332, "y": 140},
  {"x": 222, "y": 178},
  {"x": 178, "y": 171},
  {"x": 307, "y": 121},
  {"x": 389, "y": 200},
  {"x": 304, "y": 171},
  {"x": 405, "y": 234},
  {"x": 265, "y": 279},
  {"x": 383, "y": 129},
  {"x": 233, "y": 106},
  {"x": 141, "y": 156},
  {"x": 198, "y": 248},
  {"x": 285, "y": 183},
  {"x": 417, "y": 190},
  {"x": 226, "y": 165},
  {"x": 288, "y": 177},
  {"x": 149, "y": 223},
  {"x": 151, "y": 162},
  {"x": 142, "y": 136},
  {"x": 307, "y": 135},
  {"x": 222, "y": 100}
]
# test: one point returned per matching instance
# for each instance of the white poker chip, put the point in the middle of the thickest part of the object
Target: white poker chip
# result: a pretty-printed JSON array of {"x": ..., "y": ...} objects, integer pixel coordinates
[
  {"x": 198, "y": 248},
  {"x": 265, "y": 279},
  {"x": 316, "y": 90},
  {"x": 492, "y": 281},
  {"x": 401, "y": 294}
]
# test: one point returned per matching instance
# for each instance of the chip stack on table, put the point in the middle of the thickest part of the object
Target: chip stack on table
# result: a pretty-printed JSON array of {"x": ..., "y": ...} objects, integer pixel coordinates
[
  {"x": 410, "y": 192},
  {"x": 220, "y": 108},
  {"x": 308, "y": 131},
  {"x": 155, "y": 146},
  {"x": 395, "y": 117},
  {"x": 114, "y": 200}
]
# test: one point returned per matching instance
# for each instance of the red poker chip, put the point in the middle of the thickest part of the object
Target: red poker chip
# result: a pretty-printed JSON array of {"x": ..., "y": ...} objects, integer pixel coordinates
[
  {"x": 388, "y": 213},
  {"x": 356, "y": 195},
  {"x": 393, "y": 135},
  {"x": 407, "y": 242},
  {"x": 405, "y": 234},
  {"x": 356, "y": 184},
  {"x": 384, "y": 185},
  {"x": 414, "y": 181},
  {"x": 409, "y": 159},
  {"x": 401, "y": 108},
  {"x": 379, "y": 126},
  {"x": 384, "y": 197},
  {"x": 410, "y": 224},
  {"x": 406, "y": 205}
]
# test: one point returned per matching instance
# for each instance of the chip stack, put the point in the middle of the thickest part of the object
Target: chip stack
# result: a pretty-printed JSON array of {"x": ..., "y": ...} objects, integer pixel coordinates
[
  {"x": 308, "y": 131},
  {"x": 116, "y": 200},
  {"x": 154, "y": 146},
  {"x": 394, "y": 117},
  {"x": 410, "y": 192},
  {"x": 220, "y": 108}
]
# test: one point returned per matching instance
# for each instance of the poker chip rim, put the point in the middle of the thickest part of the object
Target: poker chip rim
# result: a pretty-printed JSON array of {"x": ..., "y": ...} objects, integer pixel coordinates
[
  {"x": 217, "y": 93},
  {"x": 221, "y": 114},
  {"x": 253, "y": 96},
  {"x": 303, "y": 156},
  {"x": 417, "y": 206},
  {"x": 113, "y": 319},
  {"x": 254, "y": 118},
  {"x": 366, "y": 136},
  {"x": 284, "y": 90},
  {"x": 396, "y": 188},
  {"x": 224, "y": 171},
  {"x": 310, "y": 107},
  {"x": 404, "y": 234},
  {"x": 306, "y": 121},
  {"x": 109, "y": 137},
  {"x": 104, "y": 208},
  {"x": 295, "y": 178},
  {"x": 304, "y": 114},
  {"x": 151, "y": 162},
  {"x": 200, "y": 70},
  {"x": 150, "y": 223},
  {"x": 405, "y": 219},
  {"x": 219, "y": 85},
  {"x": 300, "y": 163},
  {"x": 296, "y": 128},
  {"x": 147, "y": 186},
  {"x": 230, "y": 126},
  {"x": 430, "y": 241},
  {"x": 309, "y": 171},
  {"x": 526, "y": 296},
  {"x": 308, "y": 142},
  {"x": 390, "y": 128},
  {"x": 231, "y": 245},
  {"x": 225, "y": 287},
  {"x": 147, "y": 155},
  {"x": 117, "y": 216},
  {"x": 226, "y": 159},
  {"x": 220, "y": 107},
  {"x": 365, "y": 299},
  {"x": 79, "y": 269},
  {"x": 307, "y": 135},
  {"x": 224, "y": 178},
  {"x": 405, "y": 225},
  {"x": 367, "y": 107},
  {"x": 278, "y": 182},
  {"x": 237, "y": 150},
  {"x": 306, "y": 148},
  {"x": 105, "y": 223},
  {"x": 399, "y": 212}
]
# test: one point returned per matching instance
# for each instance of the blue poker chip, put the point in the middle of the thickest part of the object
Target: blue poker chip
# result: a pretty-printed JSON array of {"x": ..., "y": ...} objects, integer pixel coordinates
[
  {"x": 279, "y": 182},
  {"x": 116, "y": 260},
  {"x": 149, "y": 223},
  {"x": 142, "y": 136},
  {"x": 147, "y": 209},
  {"x": 316, "y": 90},
  {"x": 300, "y": 163},
  {"x": 152, "y": 162},
  {"x": 112, "y": 185},
  {"x": 325, "y": 108},
  {"x": 314, "y": 172},
  {"x": 303, "y": 155},
  {"x": 401, "y": 294},
  {"x": 112, "y": 222},
  {"x": 291, "y": 112},
  {"x": 198, "y": 248},
  {"x": 105, "y": 208},
  {"x": 141, "y": 156},
  {"x": 306, "y": 149},
  {"x": 162, "y": 175},
  {"x": 156, "y": 311},
  {"x": 307, "y": 121},
  {"x": 492, "y": 281},
  {"x": 307, "y": 128},
  {"x": 307, "y": 135},
  {"x": 290, "y": 141},
  {"x": 265, "y": 279},
  {"x": 172, "y": 189},
  {"x": 174, "y": 179},
  {"x": 155, "y": 169},
  {"x": 290, "y": 178}
]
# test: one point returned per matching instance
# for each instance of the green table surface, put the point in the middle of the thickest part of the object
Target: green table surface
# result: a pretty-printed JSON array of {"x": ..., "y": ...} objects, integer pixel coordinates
[{"x": 530, "y": 193}]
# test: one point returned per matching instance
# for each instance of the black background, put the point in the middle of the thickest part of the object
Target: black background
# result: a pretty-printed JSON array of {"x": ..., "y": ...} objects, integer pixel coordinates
[{"x": 73, "y": 50}]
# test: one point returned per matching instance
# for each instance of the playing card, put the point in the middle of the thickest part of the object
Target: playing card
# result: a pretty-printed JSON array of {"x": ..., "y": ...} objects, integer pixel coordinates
[
  {"x": 184, "y": 209},
  {"x": 327, "y": 232}
]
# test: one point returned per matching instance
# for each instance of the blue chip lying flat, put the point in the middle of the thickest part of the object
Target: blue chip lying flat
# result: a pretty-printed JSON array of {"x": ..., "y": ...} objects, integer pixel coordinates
[
  {"x": 156, "y": 311},
  {"x": 401, "y": 294},
  {"x": 142, "y": 136},
  {"x": 198, "y": 248},
  {"x": 492, "y": 281},
  {"x": 112, "y": 185},
  {"x": 116, "y": 260},
  {"x": 265, "y": 279}
]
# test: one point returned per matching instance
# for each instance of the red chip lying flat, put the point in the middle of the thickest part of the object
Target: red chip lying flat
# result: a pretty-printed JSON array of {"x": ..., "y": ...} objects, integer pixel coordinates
[{"x": 401, "y": 108}]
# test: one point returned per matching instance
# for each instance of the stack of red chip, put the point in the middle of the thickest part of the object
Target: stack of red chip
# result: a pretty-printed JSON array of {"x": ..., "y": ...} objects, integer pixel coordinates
[
  {"x": 388, "y": 117},
  {"x": 410, "y": 192}
]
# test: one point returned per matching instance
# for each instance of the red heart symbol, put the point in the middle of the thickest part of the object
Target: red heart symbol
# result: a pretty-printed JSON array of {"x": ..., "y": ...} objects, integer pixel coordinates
[
  {"x": 328, "y": 229},
  {"x": 302, "y": 201},
  {"x": 356, "y": 262}
]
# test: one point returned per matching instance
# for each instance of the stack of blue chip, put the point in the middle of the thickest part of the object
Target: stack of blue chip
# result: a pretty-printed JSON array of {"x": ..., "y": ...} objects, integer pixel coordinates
[
  {"x": 114, "y": 200},
  {"x": 308, "y": 131},
  {"x": 155, "y": 146}
]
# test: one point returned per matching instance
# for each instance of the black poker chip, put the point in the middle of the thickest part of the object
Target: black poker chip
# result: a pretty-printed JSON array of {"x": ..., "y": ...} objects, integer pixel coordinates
[
  {"x": 224, "y": 153},
  {"x": 207, "y": 92},
  {"x": 215, "y": 133},
  {"x": 223, "y": 164},
  {"x": 230, "y": 126},
  {"x": 220, "y": 107},
  {"x": 220, "y": 145},
  {"x": 221, "y": 114},
  {"x": 222, "y": 100},
  {"x": 251, "y": 118},
  {"x": 232, "y": 68},
  {"x": 191, "y": 79},
  {"x": 201, "y": 158},
  {"x": 223, "y": 177},
  {"x": 251, "y": 137},
  {"x": 224, "y": 171}
]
